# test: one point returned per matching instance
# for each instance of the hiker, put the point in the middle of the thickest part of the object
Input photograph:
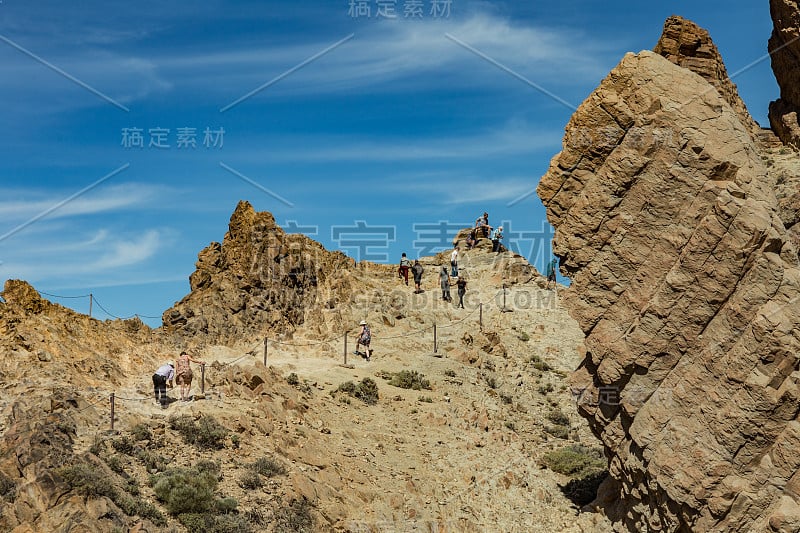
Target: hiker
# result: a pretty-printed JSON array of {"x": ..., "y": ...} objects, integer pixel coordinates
[
  {"x": 551, "y": 273},
  {"x": 417, "y": 270},
  {"x": 183, "y": 373},
  {"x": 405, "y": 264},
  {"x": 161, "y": 379},
  {"x": 364, "y": 337},
  {"x": 471, "y": 240},
  {"x": 483, "y": 224},
  {"x": 497, "y": 236},
  {"x": 462, "y": 288},
  {"x": 444, "y": 279},
  {"x": 454, "y": 261}
]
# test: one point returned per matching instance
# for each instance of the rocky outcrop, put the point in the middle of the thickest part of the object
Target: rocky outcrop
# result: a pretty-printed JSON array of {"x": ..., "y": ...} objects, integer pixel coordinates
[
  {"x": 784, "y": 49},
  {"x": 258, "y": 280},
  {"x": 686, "y": 286},
  {"x": 688, "y": 45}
]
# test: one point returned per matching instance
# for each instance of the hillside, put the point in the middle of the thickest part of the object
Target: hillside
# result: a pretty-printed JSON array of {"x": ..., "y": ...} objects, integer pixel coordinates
[{"x": 464, "y": 455}]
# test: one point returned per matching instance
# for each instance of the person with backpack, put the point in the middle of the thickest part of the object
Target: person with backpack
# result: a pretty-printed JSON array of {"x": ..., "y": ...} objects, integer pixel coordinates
[
  {"x": 462, "y": 289},
  {"x": 444, "y": 279},
  {"x": 417, "y": 270},
  {"x": 161, "y": 379},
  {"x": 497, "y": 236},
  {"x": 364, "y": 338},
  {"x": 405, "y": 265}
]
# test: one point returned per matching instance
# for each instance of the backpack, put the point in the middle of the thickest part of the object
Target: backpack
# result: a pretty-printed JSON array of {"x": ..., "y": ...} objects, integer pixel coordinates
[{"x": 366, "y": 335}]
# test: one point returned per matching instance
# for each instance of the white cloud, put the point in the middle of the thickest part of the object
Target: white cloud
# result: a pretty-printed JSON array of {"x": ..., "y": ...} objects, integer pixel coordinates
[{"x": 22, "y": 204}]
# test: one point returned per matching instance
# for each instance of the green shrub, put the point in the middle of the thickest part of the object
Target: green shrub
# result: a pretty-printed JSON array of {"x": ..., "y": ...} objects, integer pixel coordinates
[
  {"x": 141, "y": 432},
  {"x": 295, "y": 518},
  {"x": 524, "y": 337},
  {"x": 506, "y": 398},
  {"x": 212, "y": 467},
  {"x": 87, "y": 479},
  {"x": 268, "y": 467},
  {"x": 115, "y": 464},
  {"x": 585, "y": 466},
  {"x": 292, "y": 379},
  {"x": 152, "y": 461},
  {"x": 206, "y": 433},
  {"x": 491, "y": 382},
  {"x": 560, "y": 432},
  {"x": 94, "y": 483},
  {"x": 348, "y": 387},
  {"x": 557, "y": 417},
  {"x": 542, "y": 366},
  {"x": 450, "y": 373},
  {"x": 250, "y": 480},
  {"x": 366, "y": 390},
  {"x": 210, "y": 523},
  {"x": 576, "y": 461},
  {"x": 425, "y": 399},
  {"x": 409, "y": 379},
  {"x": 546, "y": 388},
  {"x": 185, "y": 490},
  {"x": 510, "y": 425},
  {"x": 125, "y": 444}
]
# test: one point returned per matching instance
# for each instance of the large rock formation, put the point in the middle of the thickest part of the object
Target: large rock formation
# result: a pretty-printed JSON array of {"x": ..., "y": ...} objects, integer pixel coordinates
[
  {"x": 688, "y": 45},
  {"x": 259, "y": 280},
  {"x": 686, "y": 285},
  {"x": 784, "y": 48}
]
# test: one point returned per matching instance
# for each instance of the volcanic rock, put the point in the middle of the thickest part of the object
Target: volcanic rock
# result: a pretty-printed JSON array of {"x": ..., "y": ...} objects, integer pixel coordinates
[
  {"x": 259, "y": 280},
  {"x": 688, "y": 45},
  {"x": 784, "y": 49},
  {"x": 685, "y": 283}
]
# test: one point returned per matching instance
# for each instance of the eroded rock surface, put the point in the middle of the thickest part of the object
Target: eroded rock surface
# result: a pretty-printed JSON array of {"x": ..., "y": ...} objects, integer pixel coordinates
[
  {"x": 259, "y": 280},
  {"x": 686, "y": 285},
  {"x": 688, "y": 45},
  {"x": 784, "y": 48}
]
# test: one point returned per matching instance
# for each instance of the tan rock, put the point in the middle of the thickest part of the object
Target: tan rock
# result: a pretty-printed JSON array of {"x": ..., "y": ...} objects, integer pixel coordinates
[{"x": 685, "y": 281}]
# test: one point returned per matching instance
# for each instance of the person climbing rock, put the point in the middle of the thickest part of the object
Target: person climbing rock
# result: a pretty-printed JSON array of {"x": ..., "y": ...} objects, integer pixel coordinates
[{"x": 161, "y": 379}]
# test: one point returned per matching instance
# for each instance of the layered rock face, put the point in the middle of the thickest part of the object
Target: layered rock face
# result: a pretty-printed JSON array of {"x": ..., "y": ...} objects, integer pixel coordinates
[
  {"x": 239, "y": 289},
  {"x": 688, "y": 45},
  {"x": 784, "y": 48},
  {"x": 686, "y": 284}
]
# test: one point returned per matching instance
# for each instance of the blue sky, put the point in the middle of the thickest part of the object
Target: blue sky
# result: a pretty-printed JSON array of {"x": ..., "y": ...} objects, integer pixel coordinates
[{"x": 400, "y": 123}]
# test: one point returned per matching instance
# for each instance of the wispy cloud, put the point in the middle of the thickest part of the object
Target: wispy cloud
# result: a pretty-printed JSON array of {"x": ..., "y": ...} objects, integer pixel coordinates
[
  {"x": 20, "y": 204},
  {"x": 511, "y": 138},
  {"x": 388, "y": 57},
  {"x": 78, "y": 256}
]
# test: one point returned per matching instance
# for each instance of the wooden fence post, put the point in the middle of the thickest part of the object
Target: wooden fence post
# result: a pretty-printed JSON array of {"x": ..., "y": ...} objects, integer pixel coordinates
[{"x": 112, "y": 411}]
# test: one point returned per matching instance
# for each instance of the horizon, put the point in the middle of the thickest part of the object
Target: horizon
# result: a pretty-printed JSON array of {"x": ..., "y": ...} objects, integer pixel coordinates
[{"x": 135, "y": 134}]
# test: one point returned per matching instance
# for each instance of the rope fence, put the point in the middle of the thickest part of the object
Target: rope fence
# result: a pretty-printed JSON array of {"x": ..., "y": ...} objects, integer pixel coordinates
[{"x": 93, "y": 301}]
